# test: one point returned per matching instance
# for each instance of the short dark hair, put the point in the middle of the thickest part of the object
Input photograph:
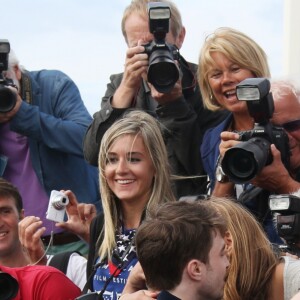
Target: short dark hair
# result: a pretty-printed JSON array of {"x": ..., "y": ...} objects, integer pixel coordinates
[
  {"x": 9, "y": 190},
  {"x": 171, "y": 236}
]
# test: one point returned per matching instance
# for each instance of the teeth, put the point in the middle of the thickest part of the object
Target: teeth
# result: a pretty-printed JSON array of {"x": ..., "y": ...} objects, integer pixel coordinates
[
  {"x": 3, "y": 234},
  {"x": 230, "y": 93},
  {"x": 124, "y": 181}
]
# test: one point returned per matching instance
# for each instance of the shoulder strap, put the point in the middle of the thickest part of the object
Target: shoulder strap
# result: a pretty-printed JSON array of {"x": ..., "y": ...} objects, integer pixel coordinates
[
  {"x": 95, "y": 242},
  {"x": 60, "y": 261},
  {"x": 26, "y": 89}
]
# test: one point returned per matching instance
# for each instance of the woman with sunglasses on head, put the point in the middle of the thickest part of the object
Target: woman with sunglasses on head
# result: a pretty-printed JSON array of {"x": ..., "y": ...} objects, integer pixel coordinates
[{"x": 228, "y": 57}]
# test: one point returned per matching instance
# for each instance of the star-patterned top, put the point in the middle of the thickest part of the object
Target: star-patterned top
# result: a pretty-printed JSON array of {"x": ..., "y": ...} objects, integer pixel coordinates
[{"x": 124, "y": 255}]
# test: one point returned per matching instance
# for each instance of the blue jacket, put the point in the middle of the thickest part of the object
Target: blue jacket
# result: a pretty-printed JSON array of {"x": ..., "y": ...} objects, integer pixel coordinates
[
  {"x": 210, "y": 149},
  {"x": 55, "y": 124}
]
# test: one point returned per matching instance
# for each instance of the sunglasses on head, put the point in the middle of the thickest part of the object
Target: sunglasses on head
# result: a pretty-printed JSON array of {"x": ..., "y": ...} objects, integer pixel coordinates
[{"x": 292, "y": 125}]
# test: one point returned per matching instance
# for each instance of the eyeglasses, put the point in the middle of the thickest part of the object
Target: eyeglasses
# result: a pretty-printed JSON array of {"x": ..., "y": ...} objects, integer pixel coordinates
[{"x": 292, "y": 125}]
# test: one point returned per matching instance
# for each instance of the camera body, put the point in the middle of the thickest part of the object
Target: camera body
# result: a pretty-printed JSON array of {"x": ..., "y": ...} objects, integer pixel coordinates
[
  {"x": 287, "y": 208},
  {"x": 57, "y": 206},
  {"x": 244, "y": 161},
  {"x": 7, "y": 98},
  {"x": 163, "y": 72}
]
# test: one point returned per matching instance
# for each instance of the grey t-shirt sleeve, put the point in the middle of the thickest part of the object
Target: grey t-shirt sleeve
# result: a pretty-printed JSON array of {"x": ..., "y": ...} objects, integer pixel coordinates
[{"x": 291, "y": 277}]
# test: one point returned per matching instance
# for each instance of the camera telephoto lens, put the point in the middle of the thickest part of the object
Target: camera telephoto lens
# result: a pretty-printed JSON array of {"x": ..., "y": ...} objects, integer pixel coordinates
[
  {"x": 9, "y": 286},
  {"x": 163, "y": 72},
  {"x": 240, "y": 164},
  {"x": 7, "y": 99},
  {"x": 244, "y": 161}
]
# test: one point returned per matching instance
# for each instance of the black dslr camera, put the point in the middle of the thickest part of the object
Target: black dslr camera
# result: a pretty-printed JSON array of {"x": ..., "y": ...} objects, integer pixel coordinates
[
  {"x": 163, "y": 71},
  {"x": 288, "y": 219},
  {"x": 8, "y": 286},
  {"x": 244, "y": 161},
  {"x": 7, "y": 98}
]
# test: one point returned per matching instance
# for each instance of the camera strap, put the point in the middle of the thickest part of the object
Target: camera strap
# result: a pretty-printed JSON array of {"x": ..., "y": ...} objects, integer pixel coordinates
[
  {"x": 256, "y": 195},
  {"x": 26, "y": 90},
  {"x": 188, "y": 79}
]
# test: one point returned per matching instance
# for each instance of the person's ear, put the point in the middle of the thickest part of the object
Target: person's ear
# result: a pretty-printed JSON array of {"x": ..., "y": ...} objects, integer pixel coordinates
[
  {"x": 195, "y": 269},
  {"x": 228, "y": 242},
  {"x": 180, "y": 38},
  {"x": 21, "y": 215},
  {"x": 18, "y": 72}
]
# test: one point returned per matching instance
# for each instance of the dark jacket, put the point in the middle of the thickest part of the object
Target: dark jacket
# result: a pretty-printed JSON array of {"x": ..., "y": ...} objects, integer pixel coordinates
[
  {"x": 164, "y": 295},
  {"x": 186, "y": 121},
  {"x": 96, "y": 239},
  {"x": 210, "y": 149}
]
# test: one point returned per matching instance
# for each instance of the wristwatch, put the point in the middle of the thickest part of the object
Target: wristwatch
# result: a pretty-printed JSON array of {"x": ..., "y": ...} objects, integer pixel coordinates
[{"x": 220, "y": 175}]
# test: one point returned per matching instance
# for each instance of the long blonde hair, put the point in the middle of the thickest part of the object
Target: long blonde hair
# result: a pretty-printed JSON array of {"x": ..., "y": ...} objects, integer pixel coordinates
[
  {"x": 142, "y": 124},
  {"x": 252, "y": 260},
  {"x": 236, "y": 46}
]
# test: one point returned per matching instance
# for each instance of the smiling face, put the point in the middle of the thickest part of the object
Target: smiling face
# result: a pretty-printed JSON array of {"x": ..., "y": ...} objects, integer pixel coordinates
[
  {"x": 223, "y": 78},
  {"x": 9, "y": 219},
  {"x": 129, "y": 170}
]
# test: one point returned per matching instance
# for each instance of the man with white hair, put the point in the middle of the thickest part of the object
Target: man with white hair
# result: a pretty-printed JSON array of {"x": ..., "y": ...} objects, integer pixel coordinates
[{"x": 275, "y": 177}]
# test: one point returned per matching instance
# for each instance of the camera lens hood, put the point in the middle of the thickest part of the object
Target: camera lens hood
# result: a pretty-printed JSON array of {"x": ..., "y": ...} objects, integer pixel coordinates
[
  {"x": 9, "y": 286},
  {"x": 7, "y": 99},
  {"x": 244, "y": 161},
  {"x": 163, "y": 72}
]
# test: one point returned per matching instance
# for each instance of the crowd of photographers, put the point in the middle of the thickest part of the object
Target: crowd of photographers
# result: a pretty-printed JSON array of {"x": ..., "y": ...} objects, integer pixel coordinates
[{"x": 229, "y": 130}]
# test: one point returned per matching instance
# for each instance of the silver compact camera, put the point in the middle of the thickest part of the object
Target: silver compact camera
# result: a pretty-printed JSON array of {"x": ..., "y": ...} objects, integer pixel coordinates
[{"x": 57, "y": 206}]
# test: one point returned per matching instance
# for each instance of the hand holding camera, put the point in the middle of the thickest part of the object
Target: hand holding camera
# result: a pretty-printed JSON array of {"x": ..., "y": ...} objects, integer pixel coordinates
[
  {"x": 229, "y": 139},
  {"x": 80, "y": 216},
  {"x": 57, "y": 206},
  {"x": 244, "y": 161},
  {"x": 163, "y": 72}
]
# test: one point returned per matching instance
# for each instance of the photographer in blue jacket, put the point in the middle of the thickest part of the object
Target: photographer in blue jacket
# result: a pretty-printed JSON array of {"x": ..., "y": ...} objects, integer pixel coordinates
[{"x": 42, "y": 124}]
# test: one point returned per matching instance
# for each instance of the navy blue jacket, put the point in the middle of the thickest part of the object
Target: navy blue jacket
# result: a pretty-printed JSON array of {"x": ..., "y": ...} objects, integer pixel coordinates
[{"x": 210, "y": 149}]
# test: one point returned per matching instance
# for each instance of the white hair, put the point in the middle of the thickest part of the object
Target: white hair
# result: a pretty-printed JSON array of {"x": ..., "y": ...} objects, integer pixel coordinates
[
  {"x": 14, "y": 61},
  {"x": 282, "y": 88}
]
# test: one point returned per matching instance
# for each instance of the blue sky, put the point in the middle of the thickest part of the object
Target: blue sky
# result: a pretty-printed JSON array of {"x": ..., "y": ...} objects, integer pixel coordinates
[{"x": 84, "y": 40}]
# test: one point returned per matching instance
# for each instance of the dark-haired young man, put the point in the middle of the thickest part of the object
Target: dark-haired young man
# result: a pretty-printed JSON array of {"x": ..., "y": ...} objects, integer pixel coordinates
[
  {"x": 12, "y": 253},
  {"x": 181, "y": 249}
]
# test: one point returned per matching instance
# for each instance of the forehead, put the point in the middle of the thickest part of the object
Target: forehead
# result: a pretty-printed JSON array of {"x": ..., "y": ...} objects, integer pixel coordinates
[
  {"x": 128, "y": 143},
  {"x": 6, "y": 200},
  {"x": 136, "y": 27},
  {"x": 286, "y": 109},
  {"x": 218, "y": 59}
]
